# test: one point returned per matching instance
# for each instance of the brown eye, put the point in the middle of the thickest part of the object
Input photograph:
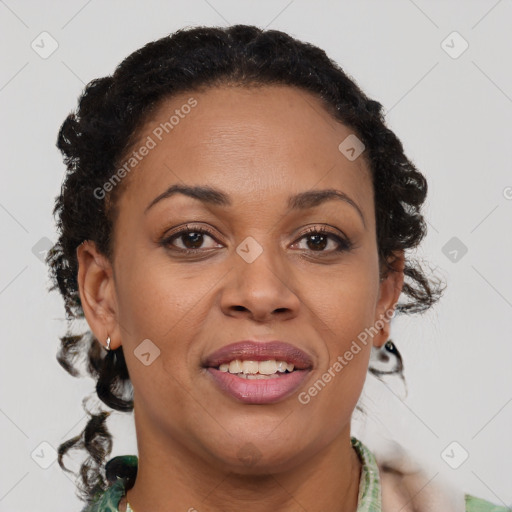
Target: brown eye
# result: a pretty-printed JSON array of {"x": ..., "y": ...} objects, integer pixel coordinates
[
  {"x": 192, "y": 239},
  {"x": 319, "y": 239}
]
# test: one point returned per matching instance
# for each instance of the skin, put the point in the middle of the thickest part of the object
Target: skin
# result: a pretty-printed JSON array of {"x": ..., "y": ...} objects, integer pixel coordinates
[{"x": 258, "y": 145}]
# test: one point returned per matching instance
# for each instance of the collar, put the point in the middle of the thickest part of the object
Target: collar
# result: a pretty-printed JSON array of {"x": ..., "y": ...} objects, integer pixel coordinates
[{"x": 369, "y": 499}]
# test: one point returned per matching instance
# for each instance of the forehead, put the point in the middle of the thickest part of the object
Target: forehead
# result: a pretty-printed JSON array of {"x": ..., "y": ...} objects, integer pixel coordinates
[{"x": 252, "y": 142}]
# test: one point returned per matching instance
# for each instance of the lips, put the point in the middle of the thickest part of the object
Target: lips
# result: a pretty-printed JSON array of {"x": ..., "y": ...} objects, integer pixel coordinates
[
  {"x": 273, "y": 388},
  {"x": 258, "y": 392},
  {"x": 260, "y": 351}
]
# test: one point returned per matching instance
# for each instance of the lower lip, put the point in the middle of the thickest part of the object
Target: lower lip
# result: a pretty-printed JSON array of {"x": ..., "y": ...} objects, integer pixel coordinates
[{"x": 258, "y": 391}]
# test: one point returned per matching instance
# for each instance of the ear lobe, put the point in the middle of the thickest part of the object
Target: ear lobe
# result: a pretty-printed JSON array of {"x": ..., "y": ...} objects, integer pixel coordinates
[
  {"x": 390, "y": 288},
  {"x": 97, "y": 292}
]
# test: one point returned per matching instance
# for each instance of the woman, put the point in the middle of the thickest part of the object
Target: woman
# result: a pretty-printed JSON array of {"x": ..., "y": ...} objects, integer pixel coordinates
[{"x": 233, "y": 227}]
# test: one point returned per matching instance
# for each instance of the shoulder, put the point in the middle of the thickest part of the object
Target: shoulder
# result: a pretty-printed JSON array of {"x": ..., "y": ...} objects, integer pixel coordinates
[
  {"x": 402, "y": 479},
  {"x": 108, "y": 500},
  {"x": 474, "y": 504},
  {"x": 121, "y": 472}
]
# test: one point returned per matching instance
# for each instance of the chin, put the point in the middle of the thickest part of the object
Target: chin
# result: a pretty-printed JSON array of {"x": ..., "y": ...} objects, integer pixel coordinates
[{"x": 259, "y": 458}]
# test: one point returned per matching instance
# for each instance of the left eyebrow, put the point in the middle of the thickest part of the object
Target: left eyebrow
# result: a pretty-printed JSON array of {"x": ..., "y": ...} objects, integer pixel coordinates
[
  {"x": 301, "y": 201},
  {"x": 313, "y": 198}
]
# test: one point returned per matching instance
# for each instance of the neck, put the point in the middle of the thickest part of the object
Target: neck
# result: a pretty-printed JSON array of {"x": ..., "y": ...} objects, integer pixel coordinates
[{"x": 168, "y": 473}]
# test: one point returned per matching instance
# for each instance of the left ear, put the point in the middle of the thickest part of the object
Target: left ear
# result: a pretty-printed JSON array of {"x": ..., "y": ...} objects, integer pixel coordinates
[{"x": 390, "y": 289}]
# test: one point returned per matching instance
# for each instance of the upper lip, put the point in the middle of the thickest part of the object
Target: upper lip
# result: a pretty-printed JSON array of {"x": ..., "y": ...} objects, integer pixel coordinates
[{"x": 260, "y": 351}]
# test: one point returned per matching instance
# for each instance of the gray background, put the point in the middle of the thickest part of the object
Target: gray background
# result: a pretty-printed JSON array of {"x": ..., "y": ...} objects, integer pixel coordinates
[{"x": 453, "y": 116}]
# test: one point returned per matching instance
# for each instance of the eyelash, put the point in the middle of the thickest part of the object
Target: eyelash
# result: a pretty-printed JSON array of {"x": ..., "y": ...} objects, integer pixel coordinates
[{"x": 344, "y": 245}]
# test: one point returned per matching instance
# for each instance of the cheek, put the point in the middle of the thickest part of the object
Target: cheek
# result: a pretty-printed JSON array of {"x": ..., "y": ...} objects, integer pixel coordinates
[
  {"x": 344, "y": 299},
  {"x": 343, "y": 310},
  {"x": 155, "y": 297},
  {"x": 167, "y": 305},
  {"x": 156, "y": 304}
]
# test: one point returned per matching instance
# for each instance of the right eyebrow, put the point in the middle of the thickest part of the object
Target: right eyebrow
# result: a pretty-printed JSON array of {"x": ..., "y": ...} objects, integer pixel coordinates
[{"x": 205, "y": 194}]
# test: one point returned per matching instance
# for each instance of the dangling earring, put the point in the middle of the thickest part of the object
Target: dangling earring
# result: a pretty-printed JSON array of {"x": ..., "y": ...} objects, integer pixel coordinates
[
  {"x": 387, "y": 360},
  {"x": 108, "y": 344}
]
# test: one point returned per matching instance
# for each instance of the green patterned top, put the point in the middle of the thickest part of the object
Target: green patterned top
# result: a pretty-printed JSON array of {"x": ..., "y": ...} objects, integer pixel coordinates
[{"x": 122, "y": 477}]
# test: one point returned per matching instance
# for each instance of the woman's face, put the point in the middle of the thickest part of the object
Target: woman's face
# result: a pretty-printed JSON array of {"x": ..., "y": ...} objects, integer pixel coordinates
[{"x": 256, "y": 275}]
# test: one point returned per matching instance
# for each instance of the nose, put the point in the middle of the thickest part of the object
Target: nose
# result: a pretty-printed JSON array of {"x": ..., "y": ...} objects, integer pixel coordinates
[{"x": 261, "y": 290}]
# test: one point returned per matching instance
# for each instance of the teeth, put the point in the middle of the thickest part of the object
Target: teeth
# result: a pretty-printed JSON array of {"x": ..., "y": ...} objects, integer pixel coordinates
[
  {"x": 235, "y": 366},
  {"x": 281, "y": 366},
  {"x": 267, "y": 367},
  {"x": 256, "y": 369},
  {"x": 257, "y": 376},
  {"x": 249, "y": 367}
]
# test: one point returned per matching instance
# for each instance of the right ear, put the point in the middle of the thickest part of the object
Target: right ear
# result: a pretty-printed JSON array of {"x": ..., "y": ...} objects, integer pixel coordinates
[{"x": 97, "y": 293}]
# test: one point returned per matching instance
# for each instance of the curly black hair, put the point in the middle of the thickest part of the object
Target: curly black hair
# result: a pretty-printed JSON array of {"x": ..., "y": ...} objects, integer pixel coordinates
[{"x": 96, "y": 137}]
